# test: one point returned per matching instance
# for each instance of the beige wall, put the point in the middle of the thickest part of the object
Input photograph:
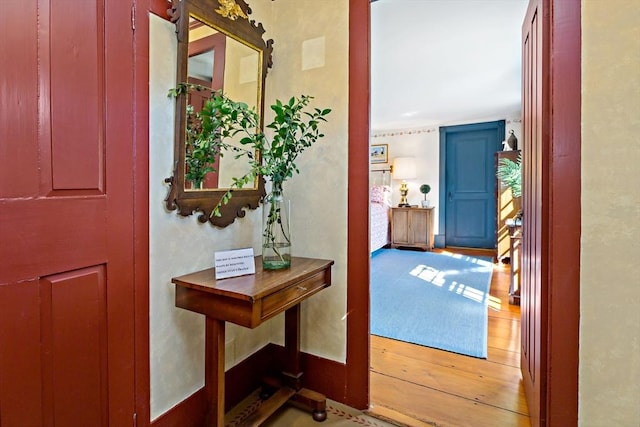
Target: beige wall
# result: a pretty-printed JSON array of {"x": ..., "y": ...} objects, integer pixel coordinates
[
  {"x": 609, "y": 375},
  {"x": 180, "y": 245},
  {"x": 319, "y": 194}
]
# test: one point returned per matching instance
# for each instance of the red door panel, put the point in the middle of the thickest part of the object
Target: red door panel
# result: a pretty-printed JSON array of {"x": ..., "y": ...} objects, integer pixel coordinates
[
  {"x": 66, "y": 214},
  {"x": 75, "y": 345},
  {"x": 18, "y": 100},
  {"x": 20, "y": 368},
  {"x": 76, "y": 127},
  {"x": 533, "y": 301}
]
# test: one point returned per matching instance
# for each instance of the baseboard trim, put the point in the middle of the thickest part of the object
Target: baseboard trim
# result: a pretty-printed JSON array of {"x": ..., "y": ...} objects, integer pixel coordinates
[
  {"x": 322, "y": 375},
  {"x": 325, "y": 376},
  {"x": 191, "y": 412}
]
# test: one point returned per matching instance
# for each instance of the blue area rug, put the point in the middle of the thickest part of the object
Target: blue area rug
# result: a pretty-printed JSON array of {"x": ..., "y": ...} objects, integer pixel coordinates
[{"x": 431, "y": 299}]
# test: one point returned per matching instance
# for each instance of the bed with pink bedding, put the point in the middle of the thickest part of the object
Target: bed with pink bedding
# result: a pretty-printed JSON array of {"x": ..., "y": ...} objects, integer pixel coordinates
[{"x": 380, "y": 196}]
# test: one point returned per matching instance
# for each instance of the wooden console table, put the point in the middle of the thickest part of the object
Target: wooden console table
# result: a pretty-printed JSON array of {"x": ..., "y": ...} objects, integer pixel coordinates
[{"x": 248, "y": 301}]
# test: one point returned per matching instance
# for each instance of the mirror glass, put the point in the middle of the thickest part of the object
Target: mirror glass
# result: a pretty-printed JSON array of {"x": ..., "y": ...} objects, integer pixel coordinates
[
  {"x": 218, "y": 62},
  {"x": 221, "y": 49}
]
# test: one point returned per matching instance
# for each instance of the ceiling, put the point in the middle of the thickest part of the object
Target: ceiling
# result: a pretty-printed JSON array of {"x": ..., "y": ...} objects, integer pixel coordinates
[{"x": 440, "y": 62}]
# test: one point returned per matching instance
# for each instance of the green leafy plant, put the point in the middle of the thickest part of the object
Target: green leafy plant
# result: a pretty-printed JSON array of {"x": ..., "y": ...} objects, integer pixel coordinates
[
  {"x": 424, "y": 189},
  {"x": 200, "y": 152},
  {"x": 205, "y": 133},
  {"x": 295, "y": 127},
  {"x": 294, "y": 130},
  {"x": 510, "y": 174}
]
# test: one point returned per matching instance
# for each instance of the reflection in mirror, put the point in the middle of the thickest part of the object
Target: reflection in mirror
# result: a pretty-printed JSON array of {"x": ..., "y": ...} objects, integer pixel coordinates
[
  {"x": 217, "y": 62},
  {"x": 220, "y": 52}
]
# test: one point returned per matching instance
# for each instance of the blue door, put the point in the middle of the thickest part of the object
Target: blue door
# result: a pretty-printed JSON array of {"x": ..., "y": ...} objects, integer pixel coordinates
[{"x": 467, "y": 154}]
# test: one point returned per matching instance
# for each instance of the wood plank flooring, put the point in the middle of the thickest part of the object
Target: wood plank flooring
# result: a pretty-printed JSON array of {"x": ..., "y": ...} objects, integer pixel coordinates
[{"x": 420, "y": 386}]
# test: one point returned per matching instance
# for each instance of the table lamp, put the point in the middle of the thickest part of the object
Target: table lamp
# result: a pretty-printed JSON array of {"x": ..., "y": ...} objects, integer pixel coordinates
[{"x": 404, "y": 168}]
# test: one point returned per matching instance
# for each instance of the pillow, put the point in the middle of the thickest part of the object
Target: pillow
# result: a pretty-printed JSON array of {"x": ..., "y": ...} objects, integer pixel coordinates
[{"x": 380, "y": 194}]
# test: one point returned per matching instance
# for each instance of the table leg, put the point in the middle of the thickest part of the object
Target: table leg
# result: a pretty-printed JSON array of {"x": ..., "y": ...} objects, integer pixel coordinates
[
  {"x": 292, "y": 370},
  {"x": 292, "y": 374},
  {"x": 214, "y": 371}
]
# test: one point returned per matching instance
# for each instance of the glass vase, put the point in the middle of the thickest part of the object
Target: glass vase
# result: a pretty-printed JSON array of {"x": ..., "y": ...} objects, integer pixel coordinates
[{"x": 276, "y": 234}]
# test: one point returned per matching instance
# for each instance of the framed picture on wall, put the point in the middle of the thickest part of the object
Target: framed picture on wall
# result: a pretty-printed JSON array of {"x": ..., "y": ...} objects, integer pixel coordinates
[{"x": 379, "y": 153}]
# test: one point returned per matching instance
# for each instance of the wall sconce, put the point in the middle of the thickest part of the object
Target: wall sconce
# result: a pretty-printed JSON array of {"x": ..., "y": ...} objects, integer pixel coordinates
[{"x": 404, "y": 168}]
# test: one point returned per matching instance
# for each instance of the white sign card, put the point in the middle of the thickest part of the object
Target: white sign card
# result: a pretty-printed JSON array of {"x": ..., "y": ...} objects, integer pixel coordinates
[{"x": 237, "y": 262}]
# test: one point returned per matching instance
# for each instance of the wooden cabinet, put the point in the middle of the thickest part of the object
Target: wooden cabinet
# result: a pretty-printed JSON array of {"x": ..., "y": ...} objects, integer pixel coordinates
[{"x": 412, "y": 228}]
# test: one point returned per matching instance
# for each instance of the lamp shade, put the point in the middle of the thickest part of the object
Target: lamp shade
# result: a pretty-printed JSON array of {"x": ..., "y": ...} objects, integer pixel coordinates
[{"x": 404, "y": 168}]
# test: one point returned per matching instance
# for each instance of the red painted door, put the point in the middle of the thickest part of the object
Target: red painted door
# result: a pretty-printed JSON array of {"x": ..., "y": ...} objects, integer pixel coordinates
[
  {"x": 215, "y": 47},
  {"x": 533, "y": 298},
  {"x": 66, "y": 214},
  {"x": 550, "y": 303}
]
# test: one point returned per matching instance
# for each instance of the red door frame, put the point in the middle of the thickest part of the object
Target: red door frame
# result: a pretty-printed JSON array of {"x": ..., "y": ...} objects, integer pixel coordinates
[
  {"x": 551, "y": 201},
  {"x": 141, "y": 11},
  {"x": 358, "y": 274},
  {"x": 562, "y": 213}
]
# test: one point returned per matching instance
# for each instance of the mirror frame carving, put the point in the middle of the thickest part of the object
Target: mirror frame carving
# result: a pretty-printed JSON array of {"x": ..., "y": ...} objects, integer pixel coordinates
[{"x": 224, "y": 16}]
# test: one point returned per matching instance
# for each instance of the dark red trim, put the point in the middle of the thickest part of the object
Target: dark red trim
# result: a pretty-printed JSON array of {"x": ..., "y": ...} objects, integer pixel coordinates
[
  {"x": 553, "y": 218},
  {"x": 324, "y": 376},
  {"x": 244, "y": 378},
  {"x": 357, "y": 367},
  {"x": 191, "y": 412},
  {"x": 218, "y": 44},
  {"x": 141, "y": 213},
  {"x": 158, "y": 7},
  {"x": 564, "y": 215}
]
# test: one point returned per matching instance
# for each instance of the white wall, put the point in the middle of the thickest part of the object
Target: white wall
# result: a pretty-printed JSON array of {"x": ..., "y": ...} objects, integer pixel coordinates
[
  {"x": 423, "y": 143},
  {"x": 319, "y": 194},
  {"x": 609, "y": 372}
]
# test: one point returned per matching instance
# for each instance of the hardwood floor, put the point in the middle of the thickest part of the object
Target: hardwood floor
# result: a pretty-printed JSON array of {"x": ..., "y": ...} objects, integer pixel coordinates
[{"x": 421, "y": 386}]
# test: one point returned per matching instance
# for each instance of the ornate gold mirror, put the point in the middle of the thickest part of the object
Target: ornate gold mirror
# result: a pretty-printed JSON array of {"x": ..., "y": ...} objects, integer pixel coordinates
[{"x": 219, "y": 48}]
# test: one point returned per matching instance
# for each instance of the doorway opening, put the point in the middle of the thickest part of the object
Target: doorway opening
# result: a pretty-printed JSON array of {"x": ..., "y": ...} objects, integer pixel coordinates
[{"x": 412, "y": 383}]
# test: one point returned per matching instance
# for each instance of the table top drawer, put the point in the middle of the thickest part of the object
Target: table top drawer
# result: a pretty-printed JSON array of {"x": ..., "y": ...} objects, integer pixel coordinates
[
  {"x": 251, "y": 299},
  {"x": 292, "y": 295}
]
